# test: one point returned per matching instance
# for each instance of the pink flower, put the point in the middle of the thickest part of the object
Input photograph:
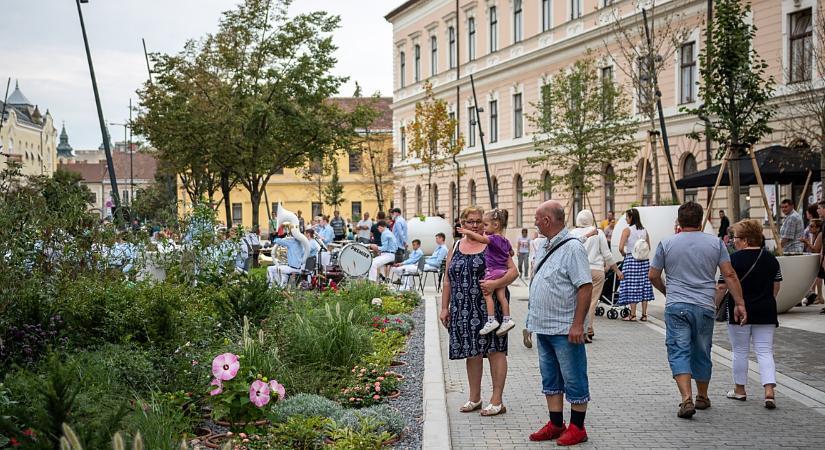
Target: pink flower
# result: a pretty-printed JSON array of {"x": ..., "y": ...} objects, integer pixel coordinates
[
  {"x": 225, "y": 366},
  {"x": 352, "y": 399},
  {"x": 218, "y": 390},
  {"x": 259, "y": 393},
  {"x": 278, "y": 388},
  {"x": 376, "y": 397},
  {"x": 380, "y": 378}
]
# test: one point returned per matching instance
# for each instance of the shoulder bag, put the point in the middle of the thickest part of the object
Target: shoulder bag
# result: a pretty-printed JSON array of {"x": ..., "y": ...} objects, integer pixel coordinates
[
  {"x": 543, "y": 260},
  {"x": 722, "y": 307}
]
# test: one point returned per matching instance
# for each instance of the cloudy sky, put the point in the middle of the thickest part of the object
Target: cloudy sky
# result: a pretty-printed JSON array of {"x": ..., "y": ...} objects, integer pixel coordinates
[{"x": 42, "y": 48}]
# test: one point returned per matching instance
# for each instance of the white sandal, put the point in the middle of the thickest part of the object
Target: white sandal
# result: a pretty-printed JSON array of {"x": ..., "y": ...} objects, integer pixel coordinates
[
  {"x": 734, "y": 396},
  {"x": 493, "y": 410},
  {"x": 470, "y": 406}
]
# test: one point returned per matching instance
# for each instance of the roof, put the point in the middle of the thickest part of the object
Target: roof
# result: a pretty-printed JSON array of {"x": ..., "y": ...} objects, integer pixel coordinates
[
  {"x": 23, "y": 114},
  {"x": 90, "y": 172},
  {"x": 17, "y": 97},
  {"x": 143, "y": 167},
  {"x": 381, "y": 104},
  {"x": 404, "y": 6}
]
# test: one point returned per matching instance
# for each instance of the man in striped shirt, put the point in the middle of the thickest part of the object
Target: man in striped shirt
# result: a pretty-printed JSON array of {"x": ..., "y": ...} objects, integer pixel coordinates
[{"x": 559, "y": 299}]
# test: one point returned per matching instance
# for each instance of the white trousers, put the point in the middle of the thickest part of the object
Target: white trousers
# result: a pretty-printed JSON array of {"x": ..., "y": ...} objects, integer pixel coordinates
[
  {"x": 740, "y": 341},
  {"x": 396, "y": 272},
  {"x": 280, "y": 274},
  {"x": 379, "y": 261}
]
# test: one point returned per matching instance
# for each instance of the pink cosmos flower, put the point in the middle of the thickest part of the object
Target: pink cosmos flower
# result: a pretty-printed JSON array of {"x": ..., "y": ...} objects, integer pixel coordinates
[
  {"x": 259, "y": 393},
  {"x": 380, "y": 378},
  {"x": 218, "y": 390},
  {"x": 225, "y": 366},
  {"x": 278, "y": 388},
  {"x": 376, "y": 397}
]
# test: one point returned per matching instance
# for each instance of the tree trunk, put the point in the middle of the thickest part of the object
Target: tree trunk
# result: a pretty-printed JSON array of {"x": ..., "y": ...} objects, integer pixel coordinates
[
  {"x": 226, "y": 191},
  {"x": 735, "y": 188},
  {"x": 255, "y": 198},
  {"x": 430, "y": 199},
  {"x": 657, "y": 194}
]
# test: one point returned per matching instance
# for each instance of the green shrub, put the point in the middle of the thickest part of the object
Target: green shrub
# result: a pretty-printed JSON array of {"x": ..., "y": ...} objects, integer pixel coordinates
[
  {"x": 363, "y": 291},
  {"x": 362, "y": 437},
  {"x": 326, "y": 339},
  {"x": 298, "y": 432},
  {"x": 305, "y": 405},
  {"x": 249, "y": 297},
  {"x": 161, "y": 421},
  {"x": 396, "y": 305},
  {"x": 125, "y": 367},
  {"x": 386, "y": 345},
  {"x": 387, "y": 418}
]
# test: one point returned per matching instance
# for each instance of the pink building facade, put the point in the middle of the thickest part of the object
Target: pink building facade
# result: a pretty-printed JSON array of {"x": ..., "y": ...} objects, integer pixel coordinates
[{"x": 514, "y": 47}]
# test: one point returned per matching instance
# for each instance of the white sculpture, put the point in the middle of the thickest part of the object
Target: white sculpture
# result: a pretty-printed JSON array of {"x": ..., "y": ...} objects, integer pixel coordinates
[
  {"x": 425, "y": 231},
  {"x": 290, "y": 221}
]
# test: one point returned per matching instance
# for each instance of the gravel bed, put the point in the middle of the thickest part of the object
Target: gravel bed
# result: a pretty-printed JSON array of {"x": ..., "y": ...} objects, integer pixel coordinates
[{"x": 411, "y": 402}]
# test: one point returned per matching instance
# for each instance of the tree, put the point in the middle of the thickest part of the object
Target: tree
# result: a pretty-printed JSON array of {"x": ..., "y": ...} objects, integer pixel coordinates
[
  {"x": 642, "y": 61},
  {"x": 734, "y": 88},
  {"x": 378, "y": 169},
  {"x": 156, "y": 204},
  {"x": 804, "y": 107},
  {"x": 334, "y": 190},
  {"x": 434, "y": 138},
  {"x": 582, "y": 125}
]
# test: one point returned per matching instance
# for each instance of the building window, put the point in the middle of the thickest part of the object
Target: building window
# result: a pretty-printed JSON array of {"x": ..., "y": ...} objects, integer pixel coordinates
[
  {"x": 518, "y": 117},
  {"x": 402, "y": 68},
  {"x": 519, "y": 194},
  {"x": 645, "y": 87},
  {"x": 518, "y": 22},
  {"x": 471, "y": 190},
  {"x": 403, "y": 202},
  {"x": 546, "y": 102},
  {"x": 494, "y": 188},
  {"x": 453, "y": 138},
  {"x": 355, "y": 162},
  {"x": 647, "y": 184},
  {"x": 417, "y": 63},
  {"x": 800, "y": 46},
  {"x": 356, "y": 211},
  {"x": 689, "y": 168},
  {"x": 493, "y": 29},
  {"x": 94, "y": 199},
  {"x": 609, "y": 190},
  {"x": 471, "y": 122},
  {"x": 451, "y": 50},
  {"x": 418, "y": 200},
  {"x": 687, "y": 73},
  {"x": 434, "y": 190},
  {"x": 545, "y": 15},
  {"x": 315, "y": 167},
  {"x": 403, "y": 143},
  {"x": 606, "y": 74},
  {"x": 546, "y": 186},
  {"x": 433, "y": 55},
  {"x": 317, "y": 209},
  {"x": 575, "y": 9},
  {"x": 493, "y": 121},
  {"x": 237, "y": 214},
  {"x": 471, "y": 38},
  {"x": 453, "y": 202}
]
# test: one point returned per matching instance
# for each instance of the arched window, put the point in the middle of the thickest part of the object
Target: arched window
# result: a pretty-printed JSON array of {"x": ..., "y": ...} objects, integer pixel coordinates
[
  {"x": 434, "y": 188},
  {"x": 494, "y": 186},
  {"x": 471, "y": 190},
  {"x": 519, "y": 200},
  {"x": 647, "y": 183},
  {"x": 609, "y": 190},
  {"x": 418, "y": 200},
  {"x": 546, "y": 186},
  {"x": 453, "y": 202},
  {"x": 403, "y": 202},
  {"x": 689, "y": 168}
]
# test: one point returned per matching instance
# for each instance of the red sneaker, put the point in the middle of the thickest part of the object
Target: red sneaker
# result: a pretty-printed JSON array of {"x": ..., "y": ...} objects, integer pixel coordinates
[
  {"x": 548, "y": 432},
  {"x": 572, "y": 435}
]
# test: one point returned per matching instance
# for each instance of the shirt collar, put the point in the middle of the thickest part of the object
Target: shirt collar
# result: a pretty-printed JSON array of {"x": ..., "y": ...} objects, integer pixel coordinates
[{"x": 552, "y": 242}]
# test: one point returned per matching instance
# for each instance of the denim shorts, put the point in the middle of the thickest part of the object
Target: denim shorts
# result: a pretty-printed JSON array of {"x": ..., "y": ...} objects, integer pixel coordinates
[
  {"x": 688, "y": 339},
  {"x": 563, "y": 368}
]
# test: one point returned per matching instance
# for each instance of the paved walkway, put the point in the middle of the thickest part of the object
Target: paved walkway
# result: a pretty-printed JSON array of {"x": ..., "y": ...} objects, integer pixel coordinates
[{"x": 634, "y": 400}]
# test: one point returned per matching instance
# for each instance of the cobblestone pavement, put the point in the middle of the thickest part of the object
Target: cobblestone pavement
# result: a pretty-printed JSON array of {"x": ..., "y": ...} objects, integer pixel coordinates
[{"x": 634, "y": 400}]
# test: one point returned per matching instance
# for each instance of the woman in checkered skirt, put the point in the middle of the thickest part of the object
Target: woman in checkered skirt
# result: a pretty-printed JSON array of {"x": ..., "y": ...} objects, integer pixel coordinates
[{"x": 635, "y": 287}]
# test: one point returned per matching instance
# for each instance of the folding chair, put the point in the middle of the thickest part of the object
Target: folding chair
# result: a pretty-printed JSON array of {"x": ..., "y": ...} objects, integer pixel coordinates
[
  {"x": 438, "y": 275},
  {"x": 416, "y": 275},
  {"x": 309, "y": 270}
]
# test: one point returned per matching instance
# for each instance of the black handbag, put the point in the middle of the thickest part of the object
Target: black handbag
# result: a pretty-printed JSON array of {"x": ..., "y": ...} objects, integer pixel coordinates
[{"x": 722, "y": 308}]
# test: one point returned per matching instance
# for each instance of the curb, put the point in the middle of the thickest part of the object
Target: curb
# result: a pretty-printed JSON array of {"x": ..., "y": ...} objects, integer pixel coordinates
[
  {"x": 811, "y": 397},
  {"x": 436, "y": 434}
]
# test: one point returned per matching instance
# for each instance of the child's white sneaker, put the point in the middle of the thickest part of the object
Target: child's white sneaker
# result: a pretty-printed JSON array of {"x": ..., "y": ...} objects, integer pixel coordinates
[
  {"x": 506, "y": 327},
  {"x": 489, "y": 326}
]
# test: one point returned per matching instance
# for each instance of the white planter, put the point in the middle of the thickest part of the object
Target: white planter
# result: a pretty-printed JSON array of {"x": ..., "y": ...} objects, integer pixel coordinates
[
  {"x": 425, "y": 231},
  {"x": 659, "y": 221},
  {"x": 798, "y": 273}
]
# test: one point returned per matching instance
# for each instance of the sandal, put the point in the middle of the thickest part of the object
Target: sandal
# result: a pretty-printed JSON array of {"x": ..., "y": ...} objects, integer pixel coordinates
[
  {"x": 734, "y": 396},
  {"x": 493, "y": 410},
  {"x": 643, "y": 318},
  {"x": 470, "y": 406},
  {"x": 770, "y": 403},
  {"x": 629, "y": 319}
]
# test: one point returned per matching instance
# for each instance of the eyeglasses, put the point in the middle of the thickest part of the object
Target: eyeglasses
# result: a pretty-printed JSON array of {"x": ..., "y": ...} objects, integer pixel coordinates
[
  {"x": 472, "y": 222},
  {"x": 738, "y": 237}
]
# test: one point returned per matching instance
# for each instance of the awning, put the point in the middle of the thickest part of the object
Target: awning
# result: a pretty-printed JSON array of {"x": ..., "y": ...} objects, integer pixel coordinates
[{"x": 777, "y": 164}]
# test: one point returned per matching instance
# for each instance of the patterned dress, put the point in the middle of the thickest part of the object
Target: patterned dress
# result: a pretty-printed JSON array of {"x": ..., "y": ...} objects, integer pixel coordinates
[
  {"x": 468, "y": 313},
  {"x": 636, "y": 285}
]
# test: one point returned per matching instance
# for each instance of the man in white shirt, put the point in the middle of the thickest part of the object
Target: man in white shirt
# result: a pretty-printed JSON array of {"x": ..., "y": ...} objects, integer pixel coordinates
[
  {"x": 364, "y": 226},
  {"x": 433, "y": 262},
  {"x": 408, "y": 266}
]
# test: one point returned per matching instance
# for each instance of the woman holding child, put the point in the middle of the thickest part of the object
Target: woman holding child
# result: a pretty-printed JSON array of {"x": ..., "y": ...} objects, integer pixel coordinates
[{"x": 463, "y": 308}]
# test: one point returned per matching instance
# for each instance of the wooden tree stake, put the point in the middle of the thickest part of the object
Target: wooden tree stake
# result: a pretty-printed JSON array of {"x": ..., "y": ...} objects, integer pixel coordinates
[{"x": 768, "y": 210}]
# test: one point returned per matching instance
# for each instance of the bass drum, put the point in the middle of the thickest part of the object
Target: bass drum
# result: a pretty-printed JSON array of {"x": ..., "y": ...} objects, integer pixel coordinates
[{"x": 355, "y": 260}]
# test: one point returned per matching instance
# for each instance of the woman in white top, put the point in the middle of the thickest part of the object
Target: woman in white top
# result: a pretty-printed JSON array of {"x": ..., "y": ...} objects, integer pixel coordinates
[
  {"x": 636, "y": 286},
  {"x": 600, "y": 258}
]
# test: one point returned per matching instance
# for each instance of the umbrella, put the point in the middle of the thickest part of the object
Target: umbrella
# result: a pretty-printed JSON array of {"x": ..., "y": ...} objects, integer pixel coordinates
[{"x": 777, "y": 163}]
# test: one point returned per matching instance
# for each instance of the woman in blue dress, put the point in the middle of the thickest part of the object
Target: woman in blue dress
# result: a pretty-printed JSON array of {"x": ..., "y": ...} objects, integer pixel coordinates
[{"x": 635, "y": 287}]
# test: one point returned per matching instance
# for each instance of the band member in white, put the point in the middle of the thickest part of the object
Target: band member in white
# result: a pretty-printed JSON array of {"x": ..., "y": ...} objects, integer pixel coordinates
[
  {"x": 295, "y": 258},
  {"x": 386, "y": 251},
  {"x": 408, "y": 266}
]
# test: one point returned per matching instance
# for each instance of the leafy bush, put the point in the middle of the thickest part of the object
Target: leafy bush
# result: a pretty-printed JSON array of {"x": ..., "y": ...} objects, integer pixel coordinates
[
  {"x": 161, "y": 421},
  {"x": 362, "y": 437},
  {"x": 125, "y": 367},
  {"x": 386, "y": 346},
  {"x": 298, "y": 432},
  {"x": 305, "y": 405},
  {"x": 249, "y": 297},
  {"x": 387, "y": 418},
  {"x": 363, "y": 291},
  {"x": 401, "y": 323},
  {"x": 396, "y": 305},
  {"x": 326, "y": 339},
  {"x": 368, "y": 386}
]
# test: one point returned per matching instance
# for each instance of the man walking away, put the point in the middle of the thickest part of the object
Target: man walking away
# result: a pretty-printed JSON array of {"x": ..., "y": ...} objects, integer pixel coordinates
[{"x": 690, "y": 259}]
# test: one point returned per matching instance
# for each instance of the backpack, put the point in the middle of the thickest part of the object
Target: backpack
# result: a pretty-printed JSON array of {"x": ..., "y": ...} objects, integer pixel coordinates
[{"x": 641, "y": 251}]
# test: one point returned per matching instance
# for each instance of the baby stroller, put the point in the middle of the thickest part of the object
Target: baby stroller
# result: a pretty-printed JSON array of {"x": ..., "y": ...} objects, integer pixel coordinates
[{"x": 609, "y": 297}]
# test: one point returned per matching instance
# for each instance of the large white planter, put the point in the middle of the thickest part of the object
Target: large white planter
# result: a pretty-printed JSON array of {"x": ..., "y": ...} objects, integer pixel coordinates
[
  {"x": 425, "y": 231},
  {"x": 659, "y": 222},
  {"x": 798, "y": 273}
]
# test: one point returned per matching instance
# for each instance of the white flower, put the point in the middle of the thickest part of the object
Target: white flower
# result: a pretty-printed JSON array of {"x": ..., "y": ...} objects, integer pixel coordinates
[{"x": 377, "y": 301}]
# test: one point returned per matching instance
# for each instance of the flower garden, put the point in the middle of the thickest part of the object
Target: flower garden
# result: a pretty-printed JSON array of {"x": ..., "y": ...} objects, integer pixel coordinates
[{"x": 92, "y": 357}]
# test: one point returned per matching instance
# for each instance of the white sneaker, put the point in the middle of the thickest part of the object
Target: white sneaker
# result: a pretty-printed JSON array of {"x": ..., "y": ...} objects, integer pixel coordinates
[
  {"x": 505, "y": 327},
  {"x": 488, "y": 327}
]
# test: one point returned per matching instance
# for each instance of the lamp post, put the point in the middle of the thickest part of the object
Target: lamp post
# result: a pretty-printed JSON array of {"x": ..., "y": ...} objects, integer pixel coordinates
[{"x": 106, "y": 144}]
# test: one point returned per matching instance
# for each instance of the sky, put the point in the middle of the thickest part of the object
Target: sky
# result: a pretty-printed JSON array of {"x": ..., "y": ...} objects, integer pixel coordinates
[{"x": 42, "y": 47}]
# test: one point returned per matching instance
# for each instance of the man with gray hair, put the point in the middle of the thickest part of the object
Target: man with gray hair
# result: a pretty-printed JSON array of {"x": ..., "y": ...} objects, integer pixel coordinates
[{"x": 559, "y": 299}]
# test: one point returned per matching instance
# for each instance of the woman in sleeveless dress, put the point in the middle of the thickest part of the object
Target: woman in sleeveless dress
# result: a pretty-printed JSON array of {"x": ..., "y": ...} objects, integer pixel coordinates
[
  {"x": 463, "y": 313},
  {"x": 635, "y": 287}
]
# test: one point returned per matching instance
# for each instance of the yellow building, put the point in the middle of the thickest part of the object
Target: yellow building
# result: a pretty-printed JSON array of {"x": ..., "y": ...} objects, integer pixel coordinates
[
  {"x": 355, "y": 172},
  {"x": 27, "y": 136}
]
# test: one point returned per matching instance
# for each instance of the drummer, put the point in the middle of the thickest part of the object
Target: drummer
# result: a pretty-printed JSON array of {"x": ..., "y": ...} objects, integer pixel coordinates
[
  {"x": 408, "y": 266},
  {"x": 386, "y": 251},
  {"x": 279, "y": 273}
]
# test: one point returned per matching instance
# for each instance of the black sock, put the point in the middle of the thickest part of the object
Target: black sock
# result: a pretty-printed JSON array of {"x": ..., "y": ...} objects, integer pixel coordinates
[
  {"x": 556, "y": 418},
  {"x": 577, "y": 418}
]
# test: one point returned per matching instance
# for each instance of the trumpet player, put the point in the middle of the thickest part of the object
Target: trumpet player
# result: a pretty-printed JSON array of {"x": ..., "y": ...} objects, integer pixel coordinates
[{"x": 280, "y": 273}]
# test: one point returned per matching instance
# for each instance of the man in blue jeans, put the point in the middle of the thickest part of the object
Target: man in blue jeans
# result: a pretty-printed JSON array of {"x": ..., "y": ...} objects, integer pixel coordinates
[
  {"x": 559, "y": 299},
  {"x": 690, "y": 259}
]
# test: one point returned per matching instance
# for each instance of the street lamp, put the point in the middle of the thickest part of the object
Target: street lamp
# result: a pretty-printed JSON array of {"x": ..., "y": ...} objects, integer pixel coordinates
[
  {"x": 106, "y": 144},
  {"x": 128, "y": 144}
]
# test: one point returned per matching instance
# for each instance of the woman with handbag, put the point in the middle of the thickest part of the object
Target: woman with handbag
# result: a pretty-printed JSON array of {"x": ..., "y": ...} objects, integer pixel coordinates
[
  {"x": 760, "y": 276},
  {"x": 634, "y": 245}
]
